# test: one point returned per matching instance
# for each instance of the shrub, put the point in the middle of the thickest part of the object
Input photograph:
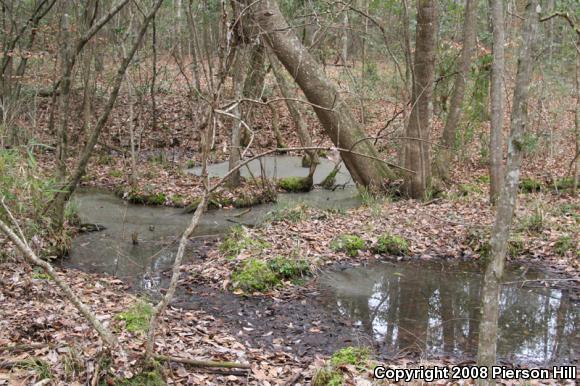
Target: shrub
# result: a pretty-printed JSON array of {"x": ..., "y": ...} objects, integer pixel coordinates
[
  {"x": 255, "y": 275},
  {"x": 391, "y": 244},
  {"x": 350, "y": 244}
]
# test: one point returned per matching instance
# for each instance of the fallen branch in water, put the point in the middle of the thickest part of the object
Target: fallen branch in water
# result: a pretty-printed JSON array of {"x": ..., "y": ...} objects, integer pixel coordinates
[{"x": 200, "y": 363}]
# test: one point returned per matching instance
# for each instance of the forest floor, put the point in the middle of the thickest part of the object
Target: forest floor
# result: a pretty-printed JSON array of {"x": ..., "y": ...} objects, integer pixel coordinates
[{"x": 41, "y": 333}]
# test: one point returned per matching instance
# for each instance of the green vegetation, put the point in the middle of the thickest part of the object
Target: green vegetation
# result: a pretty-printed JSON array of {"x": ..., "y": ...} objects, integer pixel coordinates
[
  {"x": 564, "y": 244},
  {"x": 356, "y": 356},
  {"x": 239, "y": 240},
  {"x": 327, "y": 377},
  {"x": 146, "y": 199},
  {"x": 469, "y": 189},
  {"x": 530, "y": 185},
  {"x": 255, "y": 276},
  {"x": 295, "y": 184},
  {"x": 330, "y": 180},
  {"x": 289, "y": 269},
  {"x": 332, "y": 375},
  {"x": 137, "y": 317},
  {"x": 478, "y": 240},
  {"x": 116, "y": 173},
  {"x": 533, "y": 223},
  {"x": 291, "y": 214},
  {"x": 350, "y": 244},
  {"x": 391, "y": 244},
  {"x": 38, "y": 366}
]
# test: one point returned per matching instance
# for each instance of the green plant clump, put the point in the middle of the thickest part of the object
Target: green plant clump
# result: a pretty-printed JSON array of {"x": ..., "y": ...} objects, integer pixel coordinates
[
  {"x": 356, "y": 356},
  {"x": 290, "y": 214},
  {"x": 288, "y": 269},
  {"x": 327, "y": 377},
  {"x": 255, "y": 276},
  {"x": 391, "y": 244},
  {"x": 295, "y": 184},
  {"x": 351, "y": 244},
  {"x": 239, "y": 240},
  {"x": 564, "y": 244},
  {"x": 530, "y": 185},
  {"x": 137, "y": 317}
]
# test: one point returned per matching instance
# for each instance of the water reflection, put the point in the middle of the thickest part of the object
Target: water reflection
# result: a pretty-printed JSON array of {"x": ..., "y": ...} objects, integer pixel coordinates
[{"x": 434, "y": 308}]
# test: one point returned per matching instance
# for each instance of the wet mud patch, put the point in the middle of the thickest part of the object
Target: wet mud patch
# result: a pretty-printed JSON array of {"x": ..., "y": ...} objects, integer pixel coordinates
[{"x": 299, "y": 326}]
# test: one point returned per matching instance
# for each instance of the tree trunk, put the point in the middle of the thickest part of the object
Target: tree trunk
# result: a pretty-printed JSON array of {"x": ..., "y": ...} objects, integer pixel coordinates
[
  {"x": 497, "y": 100},
  {"x": 253, "y": 86},
  {"x": 507, "y": 199},
  {"x": 235, "y": 148},
  {"x": 294, "y": 109},
  {"x": 445, "y": 155},
  {"x": 417, "y": 146},
  {"x": 335, "y": 116}
]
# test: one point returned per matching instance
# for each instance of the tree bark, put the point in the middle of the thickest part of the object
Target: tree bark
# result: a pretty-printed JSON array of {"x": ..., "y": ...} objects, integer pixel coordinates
[
  {"x": 445, "y": 155},
  {"x": 332, "y": 111},
  {"x": 507, "y": 199},
  {"x": 235, "y": 146},
  {"x": 497, "y": 100},
  {"x": 294, "y": 109},
  {"x": 417, "y": 152}
]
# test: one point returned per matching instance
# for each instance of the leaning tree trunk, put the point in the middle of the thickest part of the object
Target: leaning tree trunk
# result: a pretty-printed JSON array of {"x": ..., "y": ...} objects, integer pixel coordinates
[
  {"x": 301, "y": 129},
  {"x": 331, "y": 109},
  {"x": 445, "y": 155},
  {"x": 417, "y": 145},
  {"x": 497, "y": 96},
  {"x": 507, "y": 199}
]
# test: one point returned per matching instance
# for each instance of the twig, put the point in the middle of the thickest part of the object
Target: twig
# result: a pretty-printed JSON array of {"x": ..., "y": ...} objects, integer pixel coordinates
[
  {"x": 200, "y": 363},
  {"x": 22, "y": 246}
]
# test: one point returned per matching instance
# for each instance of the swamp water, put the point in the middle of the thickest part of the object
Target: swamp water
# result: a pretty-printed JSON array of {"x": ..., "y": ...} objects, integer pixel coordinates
[{"x": 428, "y": 308}]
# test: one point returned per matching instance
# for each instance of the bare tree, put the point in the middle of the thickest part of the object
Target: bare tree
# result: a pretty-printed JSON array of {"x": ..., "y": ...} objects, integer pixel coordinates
[
  {"x": 507, "y": 199},
  {"x": 332, "y": 110},
  {"x": 417, "y": 152},
  {"x": 445, "y": 155},
  {"x": 497, "y": 100}
]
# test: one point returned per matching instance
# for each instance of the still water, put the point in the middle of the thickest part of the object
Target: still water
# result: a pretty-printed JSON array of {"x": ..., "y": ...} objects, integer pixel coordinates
[{"x": 433, "y": 308}]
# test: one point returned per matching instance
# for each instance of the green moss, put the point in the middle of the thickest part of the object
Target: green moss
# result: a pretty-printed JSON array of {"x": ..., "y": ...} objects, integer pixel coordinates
[
  {"x": 330, "y": 180},
  {"x": 564, "y": 244},
  {"x": 190, "y": 164},
  {"x": 356, "y": 356},
  {"x": 255, "y": 276},
  {"x": 239, "y": 240},
  {"x": 178, "y": 200},
  {"x": 391, "y": 244},
  {"x": 39, "y": 274},
  {"x": 327, "y": 377},
  {"x": 351, "y": 244},
  {"x": 478, "y": 240},
  {"x": 289, "y": 269},
  {"x": 137, "y": 317},
  {"x": 146, "y": 199},
  {"x": 530, "y": 185},
  {"x": 295, "y": 184}
]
